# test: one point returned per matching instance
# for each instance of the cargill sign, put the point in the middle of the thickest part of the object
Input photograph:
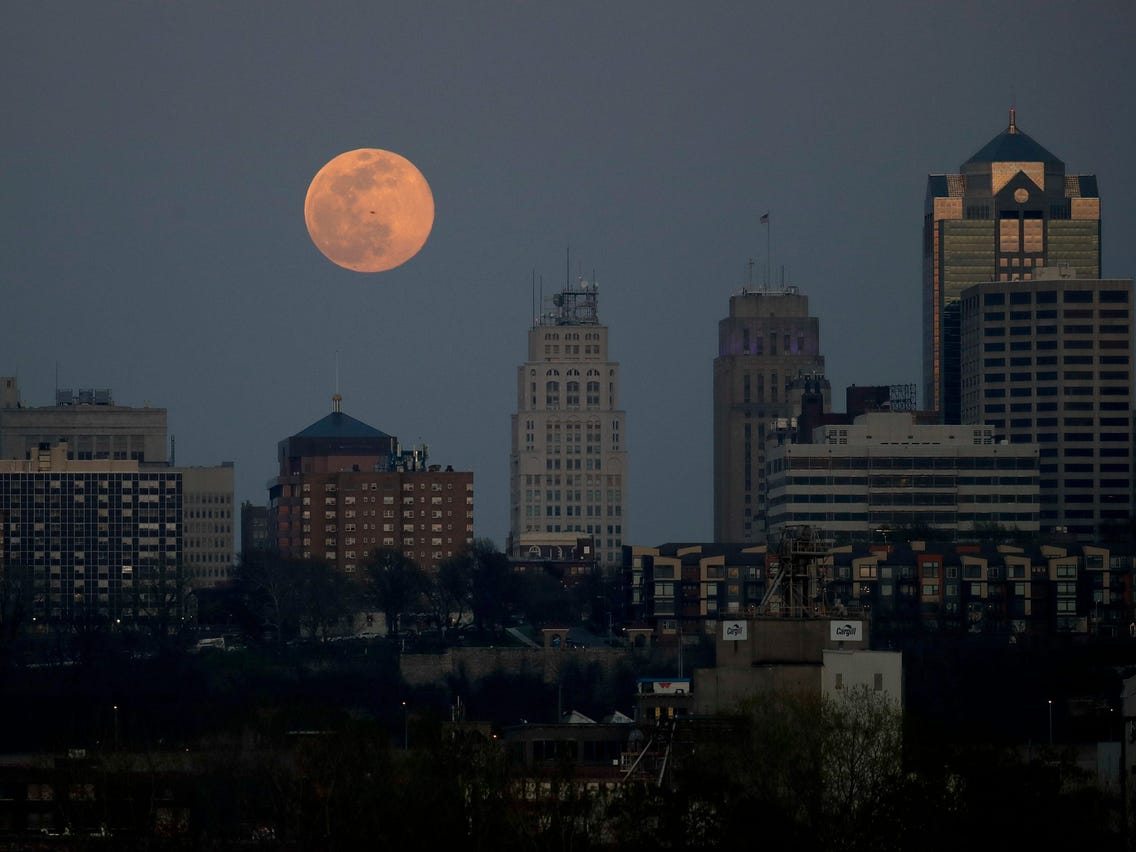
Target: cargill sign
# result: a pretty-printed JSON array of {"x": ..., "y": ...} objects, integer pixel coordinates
[{"x": 846, "y": 631}]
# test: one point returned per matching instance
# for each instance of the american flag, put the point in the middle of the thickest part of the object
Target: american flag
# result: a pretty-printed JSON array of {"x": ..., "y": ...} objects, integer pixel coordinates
[{"x": 765, "y": 218}]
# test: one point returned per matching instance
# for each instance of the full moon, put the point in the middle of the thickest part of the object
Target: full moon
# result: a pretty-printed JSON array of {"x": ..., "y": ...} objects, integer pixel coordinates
[{"x": 369, "y": 210}]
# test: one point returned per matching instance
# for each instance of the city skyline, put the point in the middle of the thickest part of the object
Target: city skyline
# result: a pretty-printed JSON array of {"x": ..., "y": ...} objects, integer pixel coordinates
[{"x": 158, "y": 159}]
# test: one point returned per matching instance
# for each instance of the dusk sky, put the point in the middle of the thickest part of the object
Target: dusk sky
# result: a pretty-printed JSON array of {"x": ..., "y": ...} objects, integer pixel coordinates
[{"x": 156, "y": 156}]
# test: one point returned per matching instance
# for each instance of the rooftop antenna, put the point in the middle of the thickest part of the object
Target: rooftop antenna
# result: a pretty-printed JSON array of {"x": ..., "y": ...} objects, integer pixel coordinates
[
  {"x": 532, "y": 296},
  {"x": 768, "y": 223},
  {"x": 336, "y": 399}
]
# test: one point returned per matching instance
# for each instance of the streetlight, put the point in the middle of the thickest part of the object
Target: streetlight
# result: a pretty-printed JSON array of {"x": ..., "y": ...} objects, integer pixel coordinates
[
  {"x": 406, "y": 727},
  {"x": 115, "y": 727},
  {"x": 1051, "y": 721}
]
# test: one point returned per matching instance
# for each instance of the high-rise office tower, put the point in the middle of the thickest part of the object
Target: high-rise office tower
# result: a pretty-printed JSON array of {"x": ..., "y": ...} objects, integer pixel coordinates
[
  {"x": 1049, "y": 362},
  {"x": 765, "y": 346},
  {"x": 1010, "y": 209},
  {"x": 568, "y": 465}
]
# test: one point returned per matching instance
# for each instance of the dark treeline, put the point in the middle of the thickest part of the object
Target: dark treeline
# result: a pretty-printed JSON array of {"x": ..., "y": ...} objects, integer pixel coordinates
[
  {"x": 800, "y": 774},
  {"x": 477, "y": 591},
  {"x": 295, "y": 741}
]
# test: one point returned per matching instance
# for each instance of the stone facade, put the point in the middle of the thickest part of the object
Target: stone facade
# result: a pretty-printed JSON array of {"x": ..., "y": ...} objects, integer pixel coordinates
[
  {"x": 765, "y": 346},
  {"x": 568, "y": 465}
]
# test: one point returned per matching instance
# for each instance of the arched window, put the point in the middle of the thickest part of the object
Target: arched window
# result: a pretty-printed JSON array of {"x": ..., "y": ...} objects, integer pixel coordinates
[
  {"x": 593, "y": 394},
  {"x": 573, "y": 394},
  {"x": 552, "y": 394}
]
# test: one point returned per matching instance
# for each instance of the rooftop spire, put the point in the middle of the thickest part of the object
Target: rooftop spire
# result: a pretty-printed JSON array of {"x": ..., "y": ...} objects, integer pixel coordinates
[
  {"x": 336, "y": 399},
  {"x": 1013, "y": 122}
]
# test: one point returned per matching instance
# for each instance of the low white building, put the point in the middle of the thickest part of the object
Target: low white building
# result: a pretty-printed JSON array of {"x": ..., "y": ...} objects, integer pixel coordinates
[
  {"x": 885, "y": 471},
  {"x": 847, "y": 672}
]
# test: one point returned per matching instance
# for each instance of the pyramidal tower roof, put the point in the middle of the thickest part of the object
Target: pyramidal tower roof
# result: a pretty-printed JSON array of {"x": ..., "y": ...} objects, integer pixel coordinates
[
  {"x": 1013, "y": 146},
  {"x": 340, "y": 425}
]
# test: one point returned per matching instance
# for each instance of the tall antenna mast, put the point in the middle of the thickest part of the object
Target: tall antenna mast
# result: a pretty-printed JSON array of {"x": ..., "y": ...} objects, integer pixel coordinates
[
  {"x": 336, "y": 398},
  {"x": 768, "y": 223},
  {"x": 768, "y": 248}
]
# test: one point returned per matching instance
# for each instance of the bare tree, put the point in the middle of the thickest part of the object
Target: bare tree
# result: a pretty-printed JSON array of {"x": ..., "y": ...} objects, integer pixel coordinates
[
  {"x": 862, "y": 749},
  {"x": 451, "y": 590},
  {"x": 324, "y": 598},
  {"x": 270, "y": 590},
  {"x": 395, "y": 584}
]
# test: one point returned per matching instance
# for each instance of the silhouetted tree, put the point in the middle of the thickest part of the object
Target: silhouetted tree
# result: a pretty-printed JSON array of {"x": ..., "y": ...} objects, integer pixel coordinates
[
  {"x": 269, "y": 587},
  {"x": 494, "y": 584},
  {"x": 544, "y": 598},
  {"x": 395, "y": 584},
  {"x": 808, "y": 770},
  {"x": 285, "y": 598},
  {"x": 450, "y": 591},
  {"x": 167, "y": 588},
  {"x": 324, "y": 598},
  {"x": 15, "y": 605}
]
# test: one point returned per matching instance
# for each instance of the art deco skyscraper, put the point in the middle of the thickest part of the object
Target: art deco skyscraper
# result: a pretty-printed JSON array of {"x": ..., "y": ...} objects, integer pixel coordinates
[
  {"x": 568, "y": 466},
  {"x": 766, "y": 346},
  {"x": 1010, "y": 209}
]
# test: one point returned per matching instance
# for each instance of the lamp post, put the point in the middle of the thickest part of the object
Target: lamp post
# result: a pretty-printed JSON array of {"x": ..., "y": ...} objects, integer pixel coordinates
[
  {"x": 406, "y": 727},
  {"x": 115, "y": 708},
  {"x": 1050, "y": 721}
]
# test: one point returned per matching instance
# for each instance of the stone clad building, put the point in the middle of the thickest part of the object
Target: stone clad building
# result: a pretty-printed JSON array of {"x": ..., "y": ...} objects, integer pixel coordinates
[
  {"x": 766, "y": 346},
  {"x": 94, "y": 427},
  {"x": 568, "y": 464}
]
